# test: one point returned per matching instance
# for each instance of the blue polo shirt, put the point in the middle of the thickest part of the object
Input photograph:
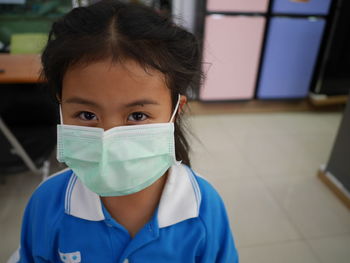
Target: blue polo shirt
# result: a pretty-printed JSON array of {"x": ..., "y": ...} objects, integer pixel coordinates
[{"x": 65, "y": 222}]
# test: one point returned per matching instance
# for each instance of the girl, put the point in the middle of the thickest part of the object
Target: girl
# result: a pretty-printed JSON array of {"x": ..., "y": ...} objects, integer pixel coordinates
[{"x": 121, "y": 73}]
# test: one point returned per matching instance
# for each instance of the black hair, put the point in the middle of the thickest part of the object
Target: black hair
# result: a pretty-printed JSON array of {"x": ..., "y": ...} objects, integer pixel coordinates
[{"x": 120, "y": 31}]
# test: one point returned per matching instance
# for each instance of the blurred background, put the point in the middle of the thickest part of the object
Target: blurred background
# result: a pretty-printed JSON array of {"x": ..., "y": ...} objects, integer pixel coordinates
[{"x": 269, "y": 128}]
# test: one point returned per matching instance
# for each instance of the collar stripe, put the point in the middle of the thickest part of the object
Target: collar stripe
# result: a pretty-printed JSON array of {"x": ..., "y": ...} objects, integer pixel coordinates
[
  {"x": 195, "y": 187},
  {"x": 66, "y": 197},
  {"x": 70, "y": 187}
]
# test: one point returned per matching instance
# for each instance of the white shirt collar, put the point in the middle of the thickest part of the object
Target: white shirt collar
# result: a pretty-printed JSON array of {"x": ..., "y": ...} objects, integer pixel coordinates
[{"x": 180, "y": 199}]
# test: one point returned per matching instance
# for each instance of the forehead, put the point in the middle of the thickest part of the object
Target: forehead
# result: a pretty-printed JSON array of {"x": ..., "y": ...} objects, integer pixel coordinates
[{"x": 107, "y": 81}]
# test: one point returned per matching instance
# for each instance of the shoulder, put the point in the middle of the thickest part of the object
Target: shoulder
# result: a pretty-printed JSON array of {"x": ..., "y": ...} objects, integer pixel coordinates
[
  {"x": 209, "y": 195},
  {"x": 42, "y": 215},
  {"x": 49, "y": 196},
  {"x": 212, "y": 209},
  {"x": 54, "y": 184}
]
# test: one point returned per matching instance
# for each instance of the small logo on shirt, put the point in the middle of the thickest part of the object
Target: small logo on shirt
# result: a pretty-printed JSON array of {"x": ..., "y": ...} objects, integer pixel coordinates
[{"x": 73, "y": 257}]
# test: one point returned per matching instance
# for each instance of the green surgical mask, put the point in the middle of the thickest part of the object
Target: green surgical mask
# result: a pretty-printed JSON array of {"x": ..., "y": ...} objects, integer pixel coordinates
[{"x": 120, "y": 161}]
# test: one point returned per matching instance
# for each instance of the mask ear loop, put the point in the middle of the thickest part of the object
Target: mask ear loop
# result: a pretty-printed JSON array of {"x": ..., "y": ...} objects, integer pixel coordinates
[
  {"x": 61, "y": 115},
  {"x": 171, "y": 120},
  {"x": 58, "y": 151},
  {"x": 176, "y": 108}
]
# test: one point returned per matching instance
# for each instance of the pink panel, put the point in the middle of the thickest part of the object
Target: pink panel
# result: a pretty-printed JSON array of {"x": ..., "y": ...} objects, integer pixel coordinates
[
  {"x": 232, "y": 47},
  {"x": 237, "y": 5}
]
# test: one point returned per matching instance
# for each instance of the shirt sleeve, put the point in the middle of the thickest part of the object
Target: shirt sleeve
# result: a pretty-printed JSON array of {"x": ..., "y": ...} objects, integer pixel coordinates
[
  {"x": 38, "y": 226},
  {"x": 32, "y": 239}
]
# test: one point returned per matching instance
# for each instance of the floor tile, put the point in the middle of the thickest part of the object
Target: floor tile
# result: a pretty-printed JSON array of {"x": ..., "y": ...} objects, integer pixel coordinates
[
  {"x": 298, "y": 122},
  {"x": 11, "y": 213},
  {"x": 239, "y": 123},
  {"x": 264, "y": 153},
  {"x": 256, "y": 217},
  {"x": 310, "y": 205},
  {"x": 287, "y": 252},
  {"x": 332, "y": 249},
  {"x": 209, "y": 133},
  {"x": 225, "y": 164},
  {"x": 285, "y": 153}
]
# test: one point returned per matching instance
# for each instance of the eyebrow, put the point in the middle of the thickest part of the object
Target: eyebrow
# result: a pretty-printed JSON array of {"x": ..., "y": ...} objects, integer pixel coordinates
[
  {"x": 141, "y": 103},
  {"x": 82, "y": 101}
]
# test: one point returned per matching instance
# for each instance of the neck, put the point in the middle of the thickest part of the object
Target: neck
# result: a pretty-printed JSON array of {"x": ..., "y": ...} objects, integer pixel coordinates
[{"x": 135, "y": 210}]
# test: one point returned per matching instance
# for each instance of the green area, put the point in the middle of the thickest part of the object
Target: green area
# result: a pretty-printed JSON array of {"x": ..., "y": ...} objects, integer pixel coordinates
[{"x": 34, "y": 16}]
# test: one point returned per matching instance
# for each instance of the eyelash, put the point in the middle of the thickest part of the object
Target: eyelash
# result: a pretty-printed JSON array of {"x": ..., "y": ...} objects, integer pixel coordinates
[
  {"x": 81, "y": 116},
  {"x": 144, "y": 116}
]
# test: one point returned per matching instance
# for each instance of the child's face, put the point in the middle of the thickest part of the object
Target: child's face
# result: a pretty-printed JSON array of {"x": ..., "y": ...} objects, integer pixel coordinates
[{"x": 107, "y": 95}]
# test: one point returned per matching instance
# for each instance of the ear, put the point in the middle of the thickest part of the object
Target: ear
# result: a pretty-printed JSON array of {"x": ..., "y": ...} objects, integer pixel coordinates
[{"x": 183, "y": 101}]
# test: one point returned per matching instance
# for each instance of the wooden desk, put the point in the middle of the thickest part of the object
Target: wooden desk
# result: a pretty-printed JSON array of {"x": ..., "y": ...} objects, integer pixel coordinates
[{"x": 19, "y": 68}]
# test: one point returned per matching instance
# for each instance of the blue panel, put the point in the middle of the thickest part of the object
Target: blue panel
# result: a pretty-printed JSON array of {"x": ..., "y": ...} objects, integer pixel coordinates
[
  {"x": 290, "y": 55},
  {"x": 308, "y": 7}
]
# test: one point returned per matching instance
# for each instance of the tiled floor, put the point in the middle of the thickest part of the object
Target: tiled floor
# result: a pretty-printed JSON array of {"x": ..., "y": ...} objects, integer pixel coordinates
[{"x": 264, "y": 166}]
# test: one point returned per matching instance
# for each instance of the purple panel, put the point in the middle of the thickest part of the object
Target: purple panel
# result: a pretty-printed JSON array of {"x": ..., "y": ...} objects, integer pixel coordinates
[
  {"x": 291, "y": 51},
  {"x": 307, "y": 7}
]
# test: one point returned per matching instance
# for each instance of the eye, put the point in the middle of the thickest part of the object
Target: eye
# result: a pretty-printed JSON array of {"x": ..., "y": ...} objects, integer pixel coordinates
[
  {"x": 137, "y": 116},
  {"x": 87, "y": 116}
]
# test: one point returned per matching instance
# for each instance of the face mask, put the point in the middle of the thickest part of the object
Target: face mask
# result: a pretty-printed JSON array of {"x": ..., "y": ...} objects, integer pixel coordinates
[{"x": 120, "y": 161}]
